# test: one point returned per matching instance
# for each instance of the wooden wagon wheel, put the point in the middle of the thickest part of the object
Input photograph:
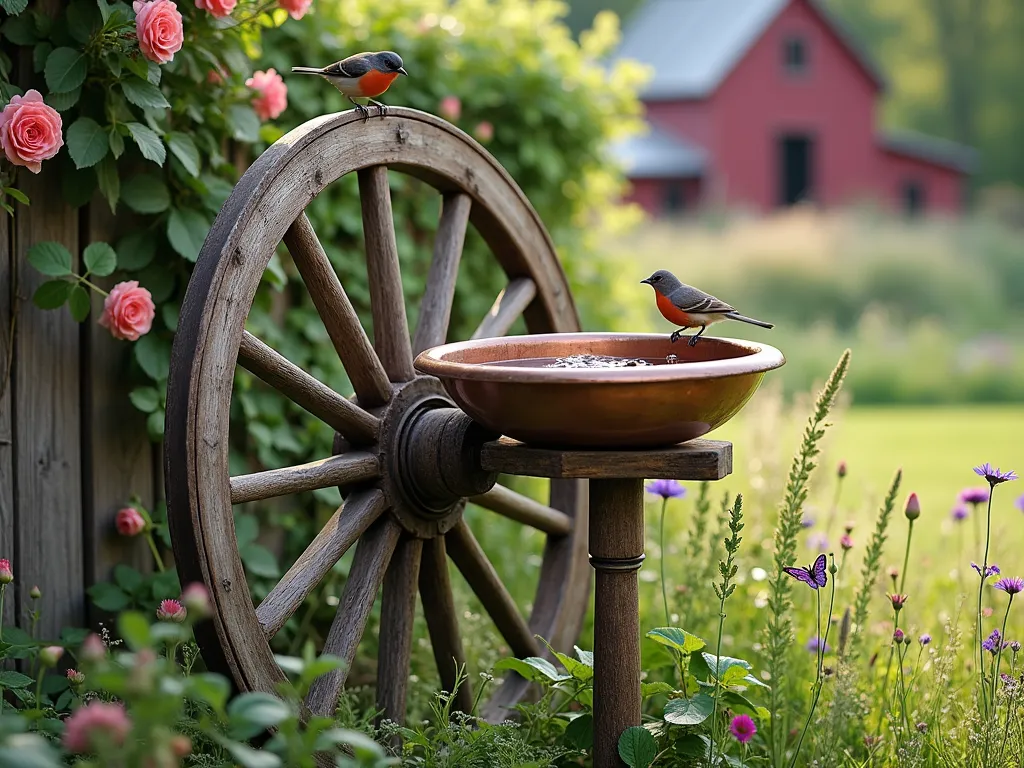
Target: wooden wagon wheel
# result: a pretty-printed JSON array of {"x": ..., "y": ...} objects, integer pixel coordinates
[{"x": 397, "y": 439}]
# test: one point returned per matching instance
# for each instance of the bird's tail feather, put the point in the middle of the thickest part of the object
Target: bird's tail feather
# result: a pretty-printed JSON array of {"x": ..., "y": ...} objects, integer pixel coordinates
[
  {"x": 744, "y": 319},
  {"x": 307, "y": 70}
]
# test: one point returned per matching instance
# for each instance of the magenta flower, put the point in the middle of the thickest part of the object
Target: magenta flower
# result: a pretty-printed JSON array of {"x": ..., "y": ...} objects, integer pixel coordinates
[
  {"x": 742, "y": 728},
  {"x": 171, "y": 610},
  {"x": 6, "y": 574},
  {"x": 959, "y": 513},
  {"x": 913, "y": 508},
  {"x": 846, "y": 542},
  {"x": 898, "y": 635},
  {"x": 994, "y": 475},
  {"x": 991, "y": 570},
  {"x": 667, "y": 489},
  {"x": 1010, "y": 585},
  {"x": 898, "y": 601},
  {"x": 978, "y": 495}
]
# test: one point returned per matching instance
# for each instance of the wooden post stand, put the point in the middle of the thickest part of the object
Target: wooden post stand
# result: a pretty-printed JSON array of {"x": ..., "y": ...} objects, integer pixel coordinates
[{"x": 616, "y": 553}]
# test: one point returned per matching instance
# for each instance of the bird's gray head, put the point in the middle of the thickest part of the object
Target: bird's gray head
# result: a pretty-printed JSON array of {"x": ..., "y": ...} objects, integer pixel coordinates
[
  {"x": 663, "y": 281},
  {"x": 388, "y": 61}
]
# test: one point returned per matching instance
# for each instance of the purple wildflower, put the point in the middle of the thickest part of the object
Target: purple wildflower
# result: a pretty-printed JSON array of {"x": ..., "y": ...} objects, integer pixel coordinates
[
  {"x": 667, "y": 489},
  {"x": 1010, "y": 585},
  {"x": 994, "y": 475},
  {"x": 978, "y": 495},
  {"x": 898, "y": 601},
  {"x": 1015, "y": 646},
  {"x": 992, "y": 570},
  {"x": 898, "y": 635},
  {"x": 806, "y": 521},
  {"x": 815, "y": 645},
  {"x": 924, "y": 639},
  {"x": 959, "y": 513},
  {"x": 742, "y": 728},
  {"x": 846, "y": 542},
  {"x": 994, "y": 642},
  {"x": 1019, "y": 503}
]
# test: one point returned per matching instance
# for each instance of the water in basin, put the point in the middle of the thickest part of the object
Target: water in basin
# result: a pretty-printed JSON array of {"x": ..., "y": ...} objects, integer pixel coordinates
[{"x": 585, "y": 361}]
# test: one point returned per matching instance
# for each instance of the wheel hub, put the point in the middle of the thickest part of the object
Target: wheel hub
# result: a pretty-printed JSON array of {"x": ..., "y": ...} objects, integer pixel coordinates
[{"x": 429, "y": 452}]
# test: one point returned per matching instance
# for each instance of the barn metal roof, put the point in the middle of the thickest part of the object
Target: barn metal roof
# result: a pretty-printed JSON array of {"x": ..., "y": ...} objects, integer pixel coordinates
[
  {"x": 693, "y": 44},
  {"x": 658, "y": 155},
  {"x": 931, "y": 149}
]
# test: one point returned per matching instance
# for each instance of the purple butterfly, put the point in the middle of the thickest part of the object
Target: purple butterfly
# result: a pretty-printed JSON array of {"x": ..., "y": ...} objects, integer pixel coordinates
[{"x": 814, "y": 576}]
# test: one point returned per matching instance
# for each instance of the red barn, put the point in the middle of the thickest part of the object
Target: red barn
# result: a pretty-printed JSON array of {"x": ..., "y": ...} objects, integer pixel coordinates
[{"x": 766, "y": 103}]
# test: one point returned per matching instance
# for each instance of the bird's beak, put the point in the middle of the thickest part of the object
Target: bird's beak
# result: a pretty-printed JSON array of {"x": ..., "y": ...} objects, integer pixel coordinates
[
  {"x": 401, "y": 71},
  {"x": 646, "y": 280}
]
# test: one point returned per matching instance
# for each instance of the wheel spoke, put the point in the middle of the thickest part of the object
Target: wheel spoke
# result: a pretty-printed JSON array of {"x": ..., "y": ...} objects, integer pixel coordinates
[
  {"x": 442, "y": 622},
  {"x": 337, "y": 470},
  {"x": 346, "y": 525},
  {"x": 306, "y": 392},
  {"x": 364, "y": 369},
  {"x": 507, "y": 308},
  {"x": 373, "y": 553},
  {"x": 470, "y": 559},
  {"x": 398, "y": 609},
  {"x": 387, "y": 301},
  {"x": 525, "y": 510},
  {"x": 436, "y": 308}
]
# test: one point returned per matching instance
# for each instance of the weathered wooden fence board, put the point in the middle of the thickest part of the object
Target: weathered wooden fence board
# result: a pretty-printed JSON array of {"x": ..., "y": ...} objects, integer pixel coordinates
[{"x": 7, "y": 294}]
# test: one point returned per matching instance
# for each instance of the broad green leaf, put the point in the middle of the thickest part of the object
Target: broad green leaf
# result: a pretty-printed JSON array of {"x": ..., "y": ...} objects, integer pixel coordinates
[
  {"x": 533, "y": 668},
  {"x": 108, "y": 597},
  {"x": 146, "y": 194},
  {"x": 689, "y": 711},
  {"x": 742, "y": 705},
  {"x": 142, "y": 93},
  {"x": 146, "y": 399},
  {"x": 579, "y": 733},
  {"x": 186, "y": 231},
  {"x": 155, "y": 423},
  {"x": 138, "y": 65},
  {"x": 134, "y": 628},
  {"x": 127, "y": 578},
  {"x": 676, "y": 638},
  {"x": 40, "y": 53},
  {"x": 21, "y": 31},
  {"x": 116, "y": 143},
  {"x": 252, "y": 713},
  {"x": 148, "y": 142},
  {"x": 724, "y": 664},
  {"x": 637, "y": 747},
  {"x": 65, "y": 69},
  {"x": 52, "y": 294},
  {"x": 154, "y": 355},
  {"x": 577, "y": 669},
  {"x": 245, "y": 125},
  {"x": 17, "y": 194},
  {"x": 62, "y": 102},
  {"x": 260, "y": 561},
  {"x": 653, "y": 689},
  {"x": 751, "y": 680},
  {"x": 183, "y": 148},
  {"x": 50, "y": 258},
  {"x": 247, "y": 528},
  {"x": 108, "y": 179},
  {"x": 79, "y": 303},
  {"x": 100, "y": 259},
  {"x": 136, "y": 250},
  {"x": 208, "y": 687},
  {"x": 248, "y": 757},
  {"x": 11, "y": 679},
  {"x": 217, "y": 191},
  {"x": 362, "y": 745},
  {"x": 693, "y": 745}
]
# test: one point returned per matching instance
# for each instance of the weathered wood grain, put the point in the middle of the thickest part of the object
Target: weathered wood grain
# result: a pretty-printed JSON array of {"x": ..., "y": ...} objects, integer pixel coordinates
[
  {"x": 525, "y": 510},
  {"x": 47, "y": 416},
  {"x": 510, "y": 304},
  {"x": 354, "y": 467},
  {"x": 352, "y": 519},
  {"x": 373, "y": 554},
  {"x": 436, "y": 307},
  {"x": 397, "y": 612},
  {"x": 616, "y": 537},
  {"x": 364, "y": 369},
  {"x": 442, "y": 621},
  {"x": 694, "y": 460},
  {"x": 302, "y": 389},
  {"x": 387, "y": 299},
  {"x": 469, "y": 558},
  {"x": 8, "y": 325}
]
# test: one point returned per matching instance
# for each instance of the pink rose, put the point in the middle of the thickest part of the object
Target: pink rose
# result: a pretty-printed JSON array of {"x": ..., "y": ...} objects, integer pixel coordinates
[
  {"x": 30, "y": 131},
  {"x": 450, "y": 108},
  {"x": 93, "y": 649},
  {"x": 158, "y": 27},
  {"x": 271, "y": 94},
  {"x": 128, "y": 311},
  {"x": 218, "y": 8},
  {"x": 97, "y": 723},
  {"x": 484, "y": 132},
  {"x": 129, "y": 522},
  {"x": 296, "y": 8}
]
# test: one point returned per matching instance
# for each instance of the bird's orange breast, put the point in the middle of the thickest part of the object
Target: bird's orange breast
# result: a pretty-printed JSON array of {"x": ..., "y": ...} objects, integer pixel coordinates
[
  {"x": 374, "y": 83},
  {"x": 672, "y": 313}
]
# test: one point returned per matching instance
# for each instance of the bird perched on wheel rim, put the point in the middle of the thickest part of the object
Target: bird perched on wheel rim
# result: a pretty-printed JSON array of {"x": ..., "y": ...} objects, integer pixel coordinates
[
  {"x": 362, "y": 75},
  {"x": 690, "y": 307}
]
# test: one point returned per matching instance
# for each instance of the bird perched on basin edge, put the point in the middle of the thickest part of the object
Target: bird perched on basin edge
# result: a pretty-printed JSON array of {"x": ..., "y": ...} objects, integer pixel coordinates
[
  {"x": 362, "y": 75},
  {"x": 690, "y": 307}
]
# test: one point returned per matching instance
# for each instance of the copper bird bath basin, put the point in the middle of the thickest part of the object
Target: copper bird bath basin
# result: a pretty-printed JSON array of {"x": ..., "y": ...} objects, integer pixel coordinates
[{"x": 506, "y": 385}]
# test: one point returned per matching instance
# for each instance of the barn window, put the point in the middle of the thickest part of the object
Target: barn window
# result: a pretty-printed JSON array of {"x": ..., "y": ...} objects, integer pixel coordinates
[
  {"x": 912, "y": 195},
  {"x": 794, "y": 55},
  {"x": 673, "y": 197}
]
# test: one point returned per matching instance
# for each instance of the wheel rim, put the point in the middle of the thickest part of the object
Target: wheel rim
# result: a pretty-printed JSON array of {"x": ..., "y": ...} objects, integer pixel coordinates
[{"x": 265, "y": 208}]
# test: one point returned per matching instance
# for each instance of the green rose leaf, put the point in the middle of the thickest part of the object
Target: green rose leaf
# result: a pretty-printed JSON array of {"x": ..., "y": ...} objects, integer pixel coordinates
[
  {"x": 14, "y": 7},
  {"x": 676, "y": 638},
  {"x": 87, "y": 142},
  {"x": 50, "y": 258},
  {"x": 40, "y": 53},
  {"x": 135, "y": 250},
  {"x": 210, "y": 688},
  {"x": 149, "y": 142},
  {"x": 65, "y": 69},
  {"x": 134, "y": 628},
  {"x": 155, "y": 424},
  {"x": 154, "y": 355},
  {"x": 116, "y": 143},
  {"x": 260, "y": 561},
  {"x": 108, "y": 597},
  {"x": 245, "y": 125},
  {"x": 62, "y": 102},
  {"x": 184, "y": 149},
  {"x": 109, "y": 181},
  {"x": 78, "y": 303},
  {"x": 100, "y": 259},
  {"x": 11, "y": 679},
  {"x": 186, "y": 231},
  {"x": 637, "y": 747},
  {"x": 143, "y": 94},
  {"x": 689, "y": 711},
  {"x": 146, "y": 194},
  {"x": 146, "y": 399},
  {"x": 52, "y": 294}
]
